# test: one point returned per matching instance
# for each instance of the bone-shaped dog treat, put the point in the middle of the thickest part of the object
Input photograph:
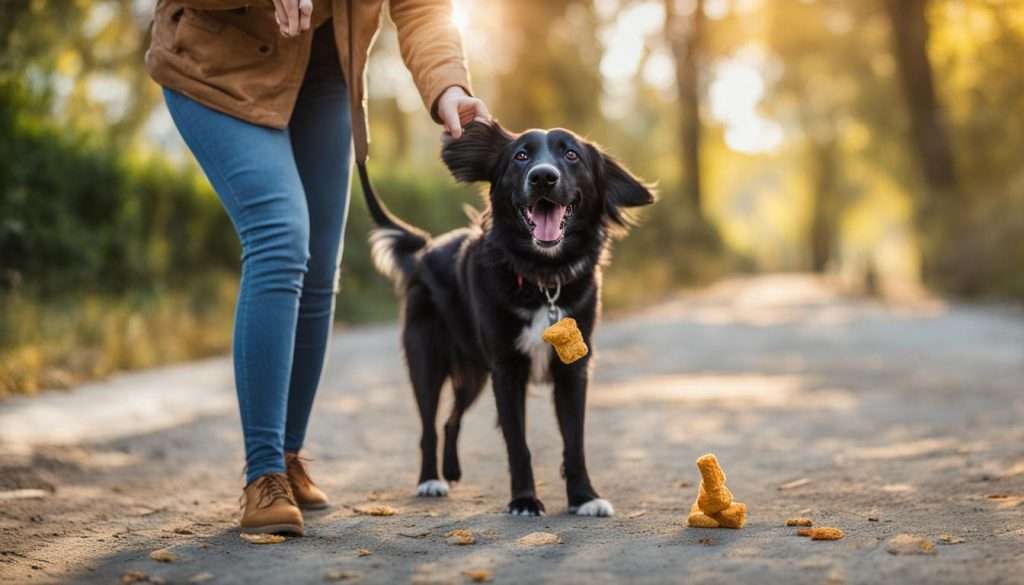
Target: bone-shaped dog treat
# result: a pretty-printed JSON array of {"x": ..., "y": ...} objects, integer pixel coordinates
[
  {"x": 565, "y": 336},
  {"x": 713, "y": 496},
  {"x": 825, "y": 533},
  {"x": 714, "y": 506}
]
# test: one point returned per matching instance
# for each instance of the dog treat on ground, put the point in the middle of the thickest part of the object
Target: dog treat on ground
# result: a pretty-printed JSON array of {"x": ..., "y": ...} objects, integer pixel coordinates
[
  {"x": 540, "y": 539},
  {"x": 712, "y": 495},
  {"x": 565, "y": 336},
  {"x": 478, "y": 575},
  {"x": 799, "y": 522},
  {"x": 460, "y": 537},
  {"x": 262, "y": 538},
  {"x": 699, "y": 519},
  {"x": 163, "y": 555},
  {"x": 375, "y": 510},
  {"x": 826, "y": 533},
  {"x": 714, "y": 507},
  {"x": 805, "y": 532},
  {"x": 732, "y": 517}
]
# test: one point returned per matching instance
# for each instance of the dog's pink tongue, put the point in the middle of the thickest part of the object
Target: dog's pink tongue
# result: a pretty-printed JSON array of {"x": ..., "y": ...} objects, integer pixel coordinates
[{"x": 547, "y": 221}]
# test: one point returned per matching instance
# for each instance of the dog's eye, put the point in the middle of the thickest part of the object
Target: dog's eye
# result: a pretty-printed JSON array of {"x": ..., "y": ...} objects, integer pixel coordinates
[
  {"x": 521, "y": 155},
  {"x": 570, "y": 155}
]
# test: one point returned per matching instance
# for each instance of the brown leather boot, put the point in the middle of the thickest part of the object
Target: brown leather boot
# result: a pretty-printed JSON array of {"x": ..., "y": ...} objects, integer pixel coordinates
[
  {"x": 269, "y": 506},
  {"x": 308, "y": 496}
]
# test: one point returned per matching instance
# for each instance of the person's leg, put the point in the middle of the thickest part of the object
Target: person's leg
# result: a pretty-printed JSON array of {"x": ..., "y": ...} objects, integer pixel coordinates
[
  {"x": 321, "y": 134},
  {"x": 252, "y": 169}
]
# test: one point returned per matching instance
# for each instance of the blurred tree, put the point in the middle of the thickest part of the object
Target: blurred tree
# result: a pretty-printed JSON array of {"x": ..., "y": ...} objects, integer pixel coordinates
[
  {"x": 815, "y": 92},
  {"x": 833, "y": 88},
  {"x": 685, "y": 32},
  {"x": 83, "y": 57},
  {"x": 824, "y": 169},
  {"x": 13, "y": 11},
  {"x": 551, "y": 78},
  {"x": 928, "y": 135},
  {"x": 939, "y": 210},
  {"x": 974, "y": 49}
]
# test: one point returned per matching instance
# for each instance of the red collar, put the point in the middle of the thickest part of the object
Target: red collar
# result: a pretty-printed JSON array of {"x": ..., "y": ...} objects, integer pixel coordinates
[{"x": 520, "y": 279}]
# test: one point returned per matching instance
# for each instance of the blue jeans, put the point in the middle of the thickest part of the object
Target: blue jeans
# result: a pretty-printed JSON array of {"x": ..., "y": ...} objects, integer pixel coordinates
[{"x": 287, "y": 194}]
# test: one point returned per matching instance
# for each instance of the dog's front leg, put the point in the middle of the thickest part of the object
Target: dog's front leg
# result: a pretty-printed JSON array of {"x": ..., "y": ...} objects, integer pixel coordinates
[
  {"x": 509, "y": 381},
  {"x": 570, "y": 407}
]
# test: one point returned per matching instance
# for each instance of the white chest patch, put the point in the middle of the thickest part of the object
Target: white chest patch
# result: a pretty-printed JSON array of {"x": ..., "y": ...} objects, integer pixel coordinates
[{"x": 531, "y": 344}]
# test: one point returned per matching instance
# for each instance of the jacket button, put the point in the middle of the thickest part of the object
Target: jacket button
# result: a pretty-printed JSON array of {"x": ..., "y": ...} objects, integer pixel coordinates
[{"x": 264, "y": 49}]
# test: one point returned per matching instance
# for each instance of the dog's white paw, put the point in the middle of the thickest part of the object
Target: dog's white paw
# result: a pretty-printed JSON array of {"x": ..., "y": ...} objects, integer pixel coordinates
[
  {"x": 599, "y": 507},
  {"x": 517, "y": 512},
  {"x": 526, "y": 506},
  {"x": 432, "y": 488}
]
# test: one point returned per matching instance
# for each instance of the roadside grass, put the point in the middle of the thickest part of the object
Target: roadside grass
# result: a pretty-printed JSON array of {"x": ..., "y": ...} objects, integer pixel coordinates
[
  {"x": 59, "y": 343},
  {"x": 62, "y": 342}
]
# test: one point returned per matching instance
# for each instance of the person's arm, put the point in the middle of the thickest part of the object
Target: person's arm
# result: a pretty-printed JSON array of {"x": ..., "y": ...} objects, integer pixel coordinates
[{"x": 432, "y": 50}]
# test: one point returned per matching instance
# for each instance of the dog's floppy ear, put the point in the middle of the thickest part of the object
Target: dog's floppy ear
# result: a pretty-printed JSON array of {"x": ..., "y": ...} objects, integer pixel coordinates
[
  {"x": 620, "y": 188},
  {"x": 474, "y": 156}
]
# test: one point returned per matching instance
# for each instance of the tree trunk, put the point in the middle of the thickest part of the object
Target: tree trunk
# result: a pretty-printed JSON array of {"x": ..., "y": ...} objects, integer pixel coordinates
[
  {"x": 929, "y": 136},
  {"x": 940, "y": 212},
  {"x": 686, "y": 35},
  {"x": 824, "y": 170}
]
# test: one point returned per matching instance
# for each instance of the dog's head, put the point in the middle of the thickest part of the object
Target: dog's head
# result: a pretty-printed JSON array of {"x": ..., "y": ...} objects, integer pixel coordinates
[{"x": 550, "y": 189}]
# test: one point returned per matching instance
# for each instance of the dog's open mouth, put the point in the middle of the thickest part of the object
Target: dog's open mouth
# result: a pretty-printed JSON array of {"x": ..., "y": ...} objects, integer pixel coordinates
[{"x": 546, "y": 220}]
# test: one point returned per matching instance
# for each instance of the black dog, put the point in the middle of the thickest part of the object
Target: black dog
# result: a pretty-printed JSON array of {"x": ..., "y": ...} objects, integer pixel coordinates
[{"x": 477, "y": 299}]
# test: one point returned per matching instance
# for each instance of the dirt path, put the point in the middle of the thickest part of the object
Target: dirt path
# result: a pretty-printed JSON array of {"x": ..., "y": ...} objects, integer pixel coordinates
[{"x": 893, "y": 419}]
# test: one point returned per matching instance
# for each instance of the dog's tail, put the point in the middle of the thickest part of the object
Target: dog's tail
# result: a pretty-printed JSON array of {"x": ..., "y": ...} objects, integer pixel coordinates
[{"x": 393, "y": 243}]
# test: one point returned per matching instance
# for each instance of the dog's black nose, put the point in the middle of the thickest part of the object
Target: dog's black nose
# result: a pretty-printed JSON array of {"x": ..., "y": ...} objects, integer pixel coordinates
[{"x": 543, "y": 176}]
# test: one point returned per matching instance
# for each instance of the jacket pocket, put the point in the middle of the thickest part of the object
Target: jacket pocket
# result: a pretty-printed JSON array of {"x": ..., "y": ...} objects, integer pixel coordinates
[
  {"x": 223, "y": 43},
  {"x": 203, "y": 19}
]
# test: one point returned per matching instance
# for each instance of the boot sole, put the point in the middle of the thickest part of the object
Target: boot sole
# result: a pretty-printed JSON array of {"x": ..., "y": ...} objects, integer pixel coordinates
[
  {"x": 315, "y": 506},
  {"x": 289, "y": 529}
]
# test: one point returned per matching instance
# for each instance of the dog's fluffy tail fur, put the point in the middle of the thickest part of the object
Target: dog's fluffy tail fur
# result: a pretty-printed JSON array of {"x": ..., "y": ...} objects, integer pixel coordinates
[{"x": 394, "y": 243}]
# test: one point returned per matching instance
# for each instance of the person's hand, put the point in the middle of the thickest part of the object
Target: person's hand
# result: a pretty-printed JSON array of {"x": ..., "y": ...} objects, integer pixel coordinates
[
  {"x": 293, "y": 16},
  {"x": 457, "y": 108}
]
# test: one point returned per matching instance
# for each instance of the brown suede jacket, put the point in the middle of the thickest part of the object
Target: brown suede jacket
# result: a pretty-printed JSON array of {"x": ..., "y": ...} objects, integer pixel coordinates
[{"x": 229, "y": 55}]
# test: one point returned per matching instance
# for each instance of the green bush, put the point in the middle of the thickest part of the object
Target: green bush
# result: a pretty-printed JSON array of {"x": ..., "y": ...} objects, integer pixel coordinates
[
  {"x": 77, "y": 213},
  {"x": 108, "y": 261}
]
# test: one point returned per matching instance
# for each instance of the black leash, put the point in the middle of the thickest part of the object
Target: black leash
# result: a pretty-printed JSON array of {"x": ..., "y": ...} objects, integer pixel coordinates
[{"x": 364, "y": 176}]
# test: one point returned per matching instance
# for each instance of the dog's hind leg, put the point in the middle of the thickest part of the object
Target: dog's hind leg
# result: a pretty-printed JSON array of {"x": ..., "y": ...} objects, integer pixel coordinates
[
  {"x": 427, "y": 354},
  {"x": 570, "y": 407},
  {"x": 467, "y": 381}
]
